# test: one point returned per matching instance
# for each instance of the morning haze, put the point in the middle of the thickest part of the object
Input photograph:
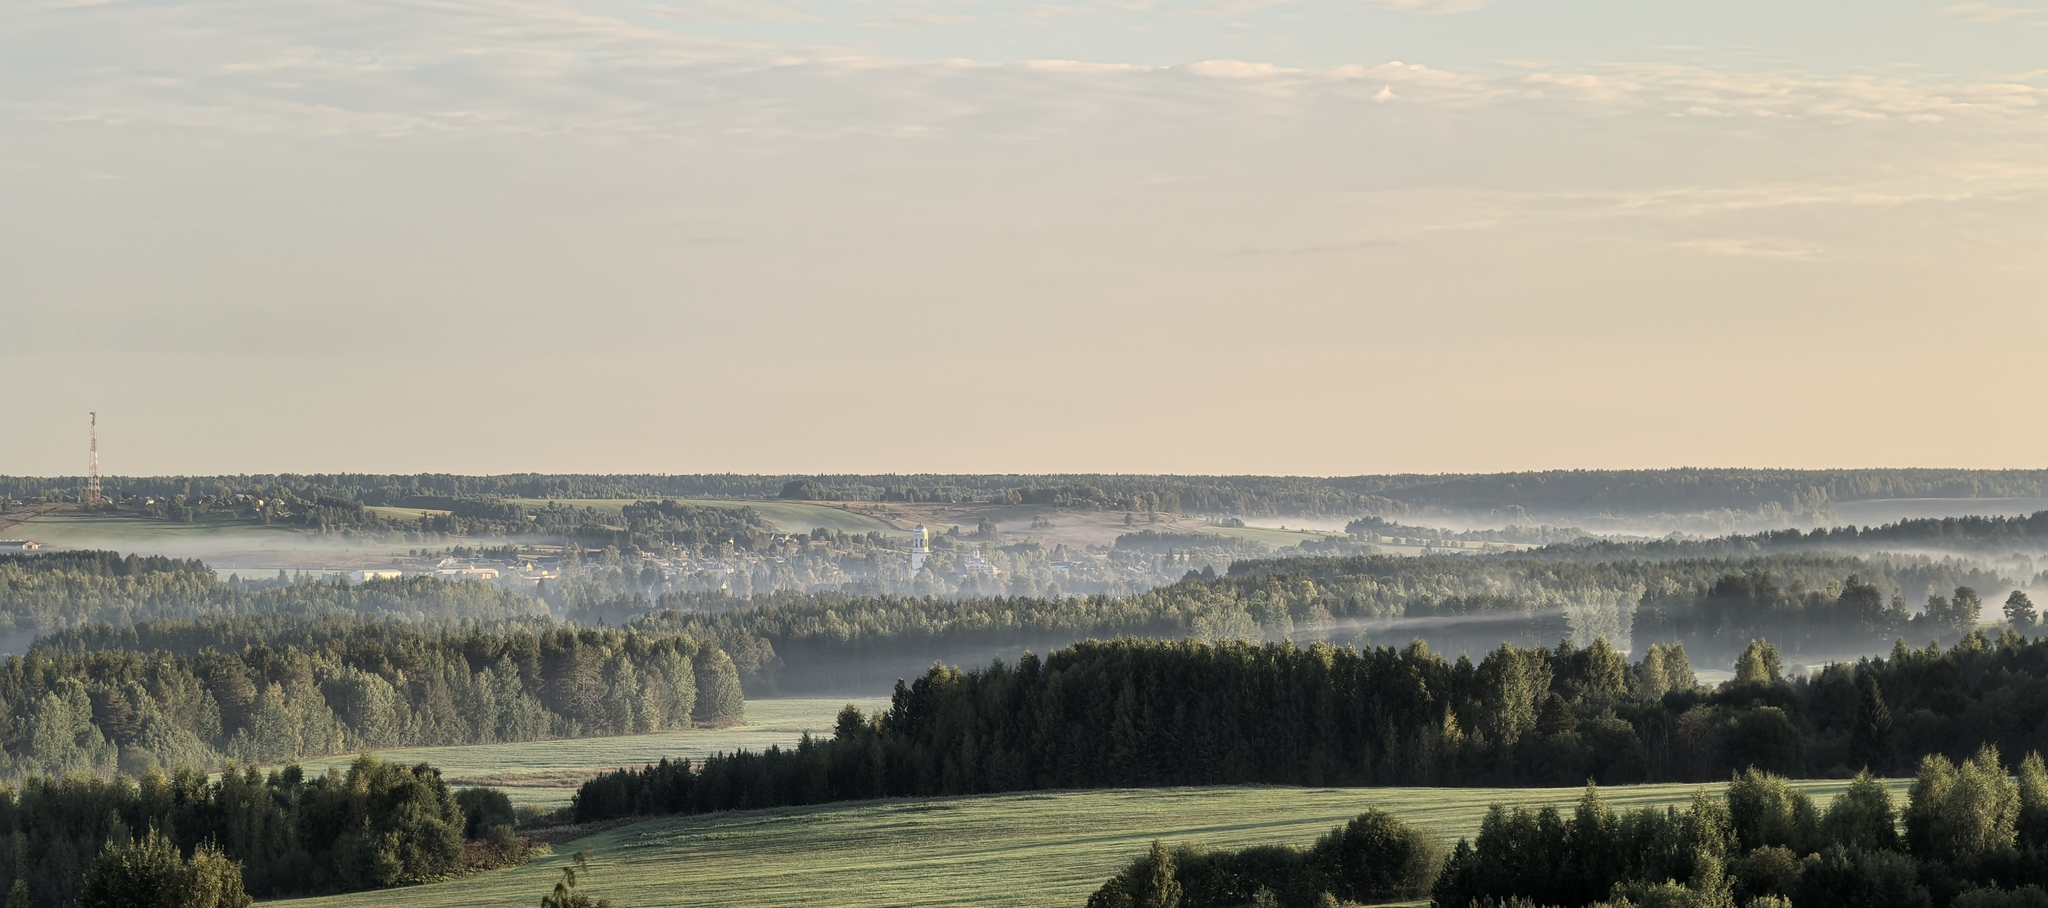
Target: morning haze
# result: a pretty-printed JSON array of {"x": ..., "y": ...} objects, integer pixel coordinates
[
  {"x": 1097, "y": 454},
  {"x": 986, "y": 238}
]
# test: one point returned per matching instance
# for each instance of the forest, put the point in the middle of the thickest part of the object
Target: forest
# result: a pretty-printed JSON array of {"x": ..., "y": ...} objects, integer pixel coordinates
[
  {"x": 1134, "y": 713},
  {"x": 1708, "y": 497},
  {"x": 214, "y": 692},
  {"x": 46, "y": 593},
  {"x": 1972, "y": 834},
  {"x": 834, "y": 642},
  {"x": 118, "y": 841}
]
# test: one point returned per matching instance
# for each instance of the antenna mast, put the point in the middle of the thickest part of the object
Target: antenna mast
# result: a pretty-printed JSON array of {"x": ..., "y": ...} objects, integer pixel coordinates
[{"x": 92, "y": 477}]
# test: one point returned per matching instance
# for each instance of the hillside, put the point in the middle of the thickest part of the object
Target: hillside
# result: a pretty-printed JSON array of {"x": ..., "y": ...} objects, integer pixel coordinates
[{"x": 1010, "y": 851}]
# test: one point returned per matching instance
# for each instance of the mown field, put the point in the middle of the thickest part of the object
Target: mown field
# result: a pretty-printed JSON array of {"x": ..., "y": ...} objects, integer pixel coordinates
[
  {"x": 1022, "y": 851},
  {"x": 81, "y": 532},
  {"x": 1272, "y": 536},
  {"x": 546, "y": 773}
]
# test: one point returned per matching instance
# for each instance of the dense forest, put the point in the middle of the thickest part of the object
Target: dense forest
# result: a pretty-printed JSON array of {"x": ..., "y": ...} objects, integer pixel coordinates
[
  {"x": 51, "y": 592},
  {"x": 1137, "y": 712},
  {"x": 1819, "y": 606},
  {"x": 837, "y": 642},
  {"x": 1146, "y": 713},
  {"x": 211, "y": 692},
  {"x": 1707, "y": 496},
  {"x": 182, "y": 839}
]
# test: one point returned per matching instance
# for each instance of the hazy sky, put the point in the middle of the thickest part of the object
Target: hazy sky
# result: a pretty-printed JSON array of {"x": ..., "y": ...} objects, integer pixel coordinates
[{"x": 1254, "y": 236}]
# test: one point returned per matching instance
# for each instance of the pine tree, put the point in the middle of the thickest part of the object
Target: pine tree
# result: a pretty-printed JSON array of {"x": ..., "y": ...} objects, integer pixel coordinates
[
  {"x": 2019, "y": 612},
  {"x": 1870, "y": 742},
  {"x": 719, "y": 701}
]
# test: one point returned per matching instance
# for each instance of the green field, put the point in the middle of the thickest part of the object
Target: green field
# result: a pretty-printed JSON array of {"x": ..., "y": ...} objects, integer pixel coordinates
[
  {"x": 391, "y": 513},
  {"x": 546, "y": 773},
  {"x": 788, "y": 516},
  {"x": 1277, "y": 538},
  {"x": 81, "y": 532},
  {"x": 1037, "y": 849}
]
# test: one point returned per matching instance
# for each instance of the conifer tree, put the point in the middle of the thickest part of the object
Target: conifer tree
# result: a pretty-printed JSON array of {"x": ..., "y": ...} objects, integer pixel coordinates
[
  {"x": 1870, "y": 742},
  {"x": 719, "y": 701}
]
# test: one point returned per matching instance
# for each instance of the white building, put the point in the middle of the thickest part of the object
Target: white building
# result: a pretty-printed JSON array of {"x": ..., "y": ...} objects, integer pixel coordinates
[{"x": 920, "y": 548}]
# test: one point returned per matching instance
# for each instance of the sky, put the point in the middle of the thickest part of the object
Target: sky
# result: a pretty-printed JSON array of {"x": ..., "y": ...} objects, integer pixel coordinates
[{"x": 1243, "y": 236}]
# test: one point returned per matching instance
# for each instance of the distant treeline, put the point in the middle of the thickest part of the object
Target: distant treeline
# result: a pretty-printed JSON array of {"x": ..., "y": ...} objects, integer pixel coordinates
[
  {"x": 1746, "y": 493},
  {"x": 210, "y": 692},
  {"x": 1144, "y": 713},
  {"x": 835, "y": 642},
  {"x": 1989, "y": 535},
  {"x": 51, "y": 592},
  {"x": 1849, "y": 617}
]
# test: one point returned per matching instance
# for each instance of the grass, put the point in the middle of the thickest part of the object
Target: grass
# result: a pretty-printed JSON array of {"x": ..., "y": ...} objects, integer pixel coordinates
[
  {"x": 391, "y": 513},
  {"x": 1018, "y": 851},
  {"x": 546, "y": 773},
  {"x": 788, "y": 516},
  {"x": 1270, "y": 536},
  {"x": 81, "y": 532}
]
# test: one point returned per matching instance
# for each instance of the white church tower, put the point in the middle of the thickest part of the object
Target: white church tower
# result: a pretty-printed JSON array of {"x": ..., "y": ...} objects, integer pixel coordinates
[{"x": 920, "y": 548}]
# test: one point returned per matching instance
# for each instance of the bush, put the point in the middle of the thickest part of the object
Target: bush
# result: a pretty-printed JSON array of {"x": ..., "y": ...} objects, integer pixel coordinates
[
  {"x": 483, "y": 809},
  {"x": 1377, "y": 858}
]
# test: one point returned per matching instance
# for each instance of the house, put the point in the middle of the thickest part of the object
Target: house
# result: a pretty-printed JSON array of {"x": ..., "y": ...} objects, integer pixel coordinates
[
  {"x": 19, "y": 545},
  {"x": 364, "y": 576}
]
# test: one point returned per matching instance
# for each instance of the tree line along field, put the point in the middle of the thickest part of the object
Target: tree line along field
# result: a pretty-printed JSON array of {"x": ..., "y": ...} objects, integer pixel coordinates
[
  {"x": 1021, "y": 850},
  {"x": 790, "y": 516},
  {"x": 545, "y": 774}
]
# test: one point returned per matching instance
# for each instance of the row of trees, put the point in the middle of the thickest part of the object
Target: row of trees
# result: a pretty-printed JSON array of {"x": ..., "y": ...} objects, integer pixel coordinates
[
  {"x": 1974, "y": 836},
  {"x": 181, "y": 840},
  {"x": 1844, "y": 618},
  {"x": 41, "y": 594},
  {"x": 1629, "y": 493},
  {"x": 269, "y": 689},
  {"x": 1144, "y": 713},
  {"x": 1374, "y": 858},
  {"x": 835, "y": 641}
]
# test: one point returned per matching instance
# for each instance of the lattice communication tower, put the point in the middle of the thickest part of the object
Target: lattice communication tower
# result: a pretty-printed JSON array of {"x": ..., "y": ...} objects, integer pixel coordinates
[{"x": 92, "y": 475}]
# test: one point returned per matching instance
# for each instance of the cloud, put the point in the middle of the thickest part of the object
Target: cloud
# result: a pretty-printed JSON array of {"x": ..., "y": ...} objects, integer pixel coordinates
[
  {"x": 550, "y": 67},
  {"x": 1983, "y": 13},
  {"x": 1776, "y": 250},
  {"x": 1429, "y": 7}
]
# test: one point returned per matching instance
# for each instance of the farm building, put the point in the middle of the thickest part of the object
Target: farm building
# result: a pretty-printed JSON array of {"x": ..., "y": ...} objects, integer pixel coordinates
[{"x": 19, "y": 545}]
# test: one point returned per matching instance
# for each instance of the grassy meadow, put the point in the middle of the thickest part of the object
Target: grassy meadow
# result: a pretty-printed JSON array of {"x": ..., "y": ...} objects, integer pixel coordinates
[
  {"x": 1023, "y": 850},
  {"x": 546, "y": 773},
  {"x": 1273, "y": 536},
  {"x": 74, "y": 531}
]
